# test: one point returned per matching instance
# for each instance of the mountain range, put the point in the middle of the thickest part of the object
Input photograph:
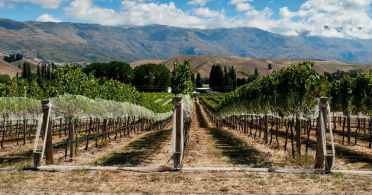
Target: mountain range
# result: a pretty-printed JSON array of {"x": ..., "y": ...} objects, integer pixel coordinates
[{"x": 76, "y": 42}]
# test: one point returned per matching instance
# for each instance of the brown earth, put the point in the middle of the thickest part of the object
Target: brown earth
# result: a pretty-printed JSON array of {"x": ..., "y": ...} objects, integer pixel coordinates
[
  {"x": 9, "y": 69},
  {"x": 246, "y": 66}
]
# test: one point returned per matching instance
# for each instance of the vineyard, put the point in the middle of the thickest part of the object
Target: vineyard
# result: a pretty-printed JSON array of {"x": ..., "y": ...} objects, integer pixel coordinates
[
  {"x": 284, "y": 108},
  {"x": 292, "y": 121}
]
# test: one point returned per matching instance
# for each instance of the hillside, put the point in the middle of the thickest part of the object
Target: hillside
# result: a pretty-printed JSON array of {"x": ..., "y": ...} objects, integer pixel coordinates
[
  {"x": 245, "y": 66},
  {"x": 9, "y": 69},
  {"x": 76, "y": 42}
]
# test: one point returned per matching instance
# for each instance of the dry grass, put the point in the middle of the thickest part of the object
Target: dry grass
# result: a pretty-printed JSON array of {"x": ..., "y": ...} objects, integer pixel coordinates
[
  {"x": 245, "y": 66},
  {"x": 200, "y": 150},
  {"x": 137, "y": 151},
  {"x": 9, "y": 69},
  {"x": 85, "y": 181}
]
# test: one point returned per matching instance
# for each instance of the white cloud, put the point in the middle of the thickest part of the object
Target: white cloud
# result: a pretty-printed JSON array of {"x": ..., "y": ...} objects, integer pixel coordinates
[
  {"x": 235, "y": 2},
  {"x": 198, "y": 2},
  {"x": 47, "y": 18},
  {"x": 48, "y": 4},
  {"x": 243, "y": 7},
  {"x": 135, "y": 13},
  {"x": 331, "y": 18},
  {"x": 206, "y": 12},
  {"x": 328, "y": 18},
  {"x": 86, "y": 10}
]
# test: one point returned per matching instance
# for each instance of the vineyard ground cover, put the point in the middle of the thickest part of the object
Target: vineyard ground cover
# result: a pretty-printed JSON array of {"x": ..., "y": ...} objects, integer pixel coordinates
[
  {"x": 237, "y": 150},
  {"x": 356, "y": 157},
  {"x": 14, "y": 155},
  {"x": 117, "y": 182},
  {"x": 21, "y": 155},
  {"x": 136, "y": 152},
  {"x": 86, "y": 157},
  {"x": 359, "y": 155},
  {"x": 200, "y": 150},
  {"x": 245, "y": 151},
  {"x": 18, "y": 159}
]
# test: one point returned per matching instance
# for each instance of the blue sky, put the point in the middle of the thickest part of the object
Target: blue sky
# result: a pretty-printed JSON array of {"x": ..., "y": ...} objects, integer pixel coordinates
[{"x": 328, "y": 18}]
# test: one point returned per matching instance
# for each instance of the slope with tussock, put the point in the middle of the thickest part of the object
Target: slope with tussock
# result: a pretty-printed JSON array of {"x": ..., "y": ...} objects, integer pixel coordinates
[{"x": 246, "y": 66}]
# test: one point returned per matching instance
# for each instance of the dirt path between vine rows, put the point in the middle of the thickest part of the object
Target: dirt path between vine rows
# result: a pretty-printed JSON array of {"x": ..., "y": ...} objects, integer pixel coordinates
[{"x": 201, "y": 150}]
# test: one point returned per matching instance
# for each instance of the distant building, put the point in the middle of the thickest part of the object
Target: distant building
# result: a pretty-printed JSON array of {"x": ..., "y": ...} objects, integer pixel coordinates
[{"x": 205, "y": 90}]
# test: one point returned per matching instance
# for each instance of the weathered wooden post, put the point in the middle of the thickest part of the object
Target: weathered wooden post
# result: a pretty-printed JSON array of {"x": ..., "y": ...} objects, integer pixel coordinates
[
  {"x": 319, "y": 158},
  {"x": 348, "y": 128},
  {"x": 178, "y": 128},
  {"x": 142, "y": 124},
  {"x": 105, "y": 129},
  {"x": 266, "y": 121},
  {"x": 298, "y": 137},
  {"x": 25, "y": 130},
  {"x": 71, "y": 138},
  {"x": 49, "y": 142}
]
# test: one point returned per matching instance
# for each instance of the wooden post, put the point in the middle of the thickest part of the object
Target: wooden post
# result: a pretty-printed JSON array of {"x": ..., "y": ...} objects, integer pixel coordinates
[
  {"x": 298, "y": 136},
  {"x": 266, "y": 129},
  {"x": 49, "y": 143},
  {"x": 245, "y": 124},
  {"x": 71, "y": 135},
  {"x": 141, "y": 124},
  {"x": 178, "y": 110},
  {"x": 319, "y": 158},
  {"x": 348, "y": 129},
  {"x": 105, "y": 129},
  {"x": 24, "y": 130}
]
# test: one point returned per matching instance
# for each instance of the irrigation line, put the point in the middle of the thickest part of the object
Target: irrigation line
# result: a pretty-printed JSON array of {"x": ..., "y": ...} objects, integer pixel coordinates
[{"x": 162, "y": 169}]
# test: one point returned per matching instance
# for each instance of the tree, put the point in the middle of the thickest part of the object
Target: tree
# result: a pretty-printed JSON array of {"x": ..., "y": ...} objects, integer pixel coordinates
[
  {"x": 216, "y": 78},
  {"x": 13, "y": 58},
  {"x": 199, "y": 83},
  {"x": 269, "y": 66},
  {"x": 162, "y": 78},
  {"x": 181, "y": 78},
  {"x": 48, "y": 74},
  {"x": 227, "y": 87},
  {"x": 193, "y": 79},
  {"x": 256, "y": 73},
  {"x": 233, "y": 78},
  {"x": 151, "y": 78},
  {"x": 241, "y": 81},
  {"x": 26, "y": 71},
  {"x": 4, "y": 78},
  {"x": 115, "y": 70},
  {"x": 211, "y": 77},
  {"x": 43, "y": 70},
  {"x": 38, "y": 73}
]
